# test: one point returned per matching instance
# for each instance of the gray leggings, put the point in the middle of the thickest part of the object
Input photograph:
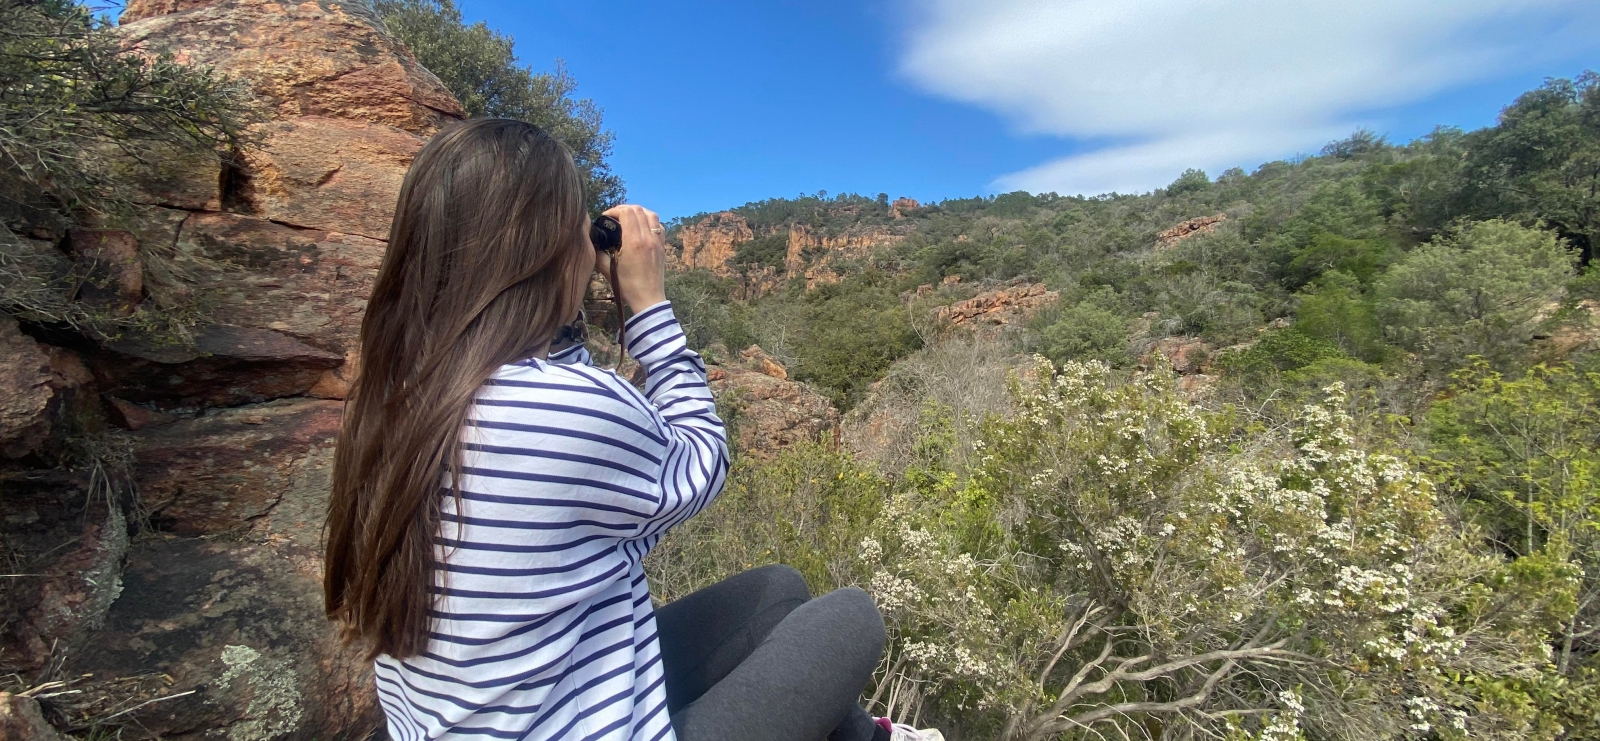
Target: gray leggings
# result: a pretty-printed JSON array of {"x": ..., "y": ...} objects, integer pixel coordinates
[{"x": 755, "y": 657}]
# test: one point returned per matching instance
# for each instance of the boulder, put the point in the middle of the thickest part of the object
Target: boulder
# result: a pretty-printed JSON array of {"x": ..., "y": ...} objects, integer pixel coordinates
[
  {"x": 998, "y": 308},
  {"x": 326, "y": 59},
  {"x": 219, "y": 472},
  {"x": 108, "y": 272},
  {"x": 235, "y": 621},
  {"x": 1186, "y": 355},
  {"x": 67, "y": 542},
  {"x": 42, "y": 389},
  {"x": 1193, "y": 227},
  {"x": 770, "y": 412}
]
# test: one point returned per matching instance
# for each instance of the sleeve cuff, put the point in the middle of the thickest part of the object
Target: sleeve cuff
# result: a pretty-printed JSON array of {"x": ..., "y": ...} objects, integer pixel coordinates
[{"x": 654, "y": 335}]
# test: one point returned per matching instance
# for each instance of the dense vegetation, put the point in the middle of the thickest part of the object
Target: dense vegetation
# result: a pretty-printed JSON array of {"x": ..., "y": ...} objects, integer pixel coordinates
[
  {"x": 1380, "y": 520},
  {"x": 480, "y": 66}
]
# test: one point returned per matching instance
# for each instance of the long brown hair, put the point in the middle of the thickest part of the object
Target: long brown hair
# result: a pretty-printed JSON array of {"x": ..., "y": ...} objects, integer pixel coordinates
[{"x": 487, "y": 258}]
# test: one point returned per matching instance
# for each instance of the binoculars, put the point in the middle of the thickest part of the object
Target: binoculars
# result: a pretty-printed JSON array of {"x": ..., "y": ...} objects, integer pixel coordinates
[{"x": 606, "y": 234}]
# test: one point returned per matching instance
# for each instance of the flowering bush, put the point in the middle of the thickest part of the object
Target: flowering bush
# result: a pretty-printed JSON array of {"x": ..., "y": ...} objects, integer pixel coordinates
[{"x": 1118, "y": 556}]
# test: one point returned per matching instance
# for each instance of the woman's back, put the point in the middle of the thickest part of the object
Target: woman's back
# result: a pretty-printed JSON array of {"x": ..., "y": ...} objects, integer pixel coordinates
[{"x": 544, "y": 627}]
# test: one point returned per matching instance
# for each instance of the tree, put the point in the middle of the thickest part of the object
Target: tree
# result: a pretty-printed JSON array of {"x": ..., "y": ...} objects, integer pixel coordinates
[
  {"x": 480, "y": 66},
  {"x": 1543, "y": 159},
  {"x": 1526, "y": 452},
  {"x": 1482, "y": 291}
]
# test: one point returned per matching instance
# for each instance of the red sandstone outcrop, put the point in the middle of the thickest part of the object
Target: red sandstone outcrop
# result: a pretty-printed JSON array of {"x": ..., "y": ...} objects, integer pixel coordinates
[
  {"x": 770, "y": 412},
  {"x": 1192, "y": 227},
  {"x": 898, "y": 209},
  {"x": 711, "y": 242},
  {"x": 326, "y": 59},
  {"x": 812, "y": 255},
  {"x": 42, "y": 388},
  {"x": 1186, "y": 355},
  {"x": 999, "y": 308}
]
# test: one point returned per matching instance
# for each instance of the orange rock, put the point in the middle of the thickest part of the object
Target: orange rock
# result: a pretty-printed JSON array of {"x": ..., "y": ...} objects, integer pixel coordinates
[
  {"x": 812, "y": 255},
  {"x": 759, "y": 360},
  {"x": 900, "y": 206},
  {"x": 710, "y": 242},
  {"x": 299, "y": 59},
  {"x": 1190, "y": 228},
  {"x": 774, "y": 413},
  {"x": 131, "y": 416},
  {"x": 998, "y": 308},
  {"x": 327, "y": 173},
  {"x": 310, "y": 284},
  {"x": 1187, "y": 355}
]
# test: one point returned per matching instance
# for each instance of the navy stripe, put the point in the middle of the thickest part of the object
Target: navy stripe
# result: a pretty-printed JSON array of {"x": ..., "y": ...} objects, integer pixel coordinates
[
  {"x": 517, "y": 547},
  {"x": 456, "y": 568},
  {"x": 569, "y": 409},
  {"x": 609, "y": 441},
  {"x": 473, "y": 496},
  {"x": 633, "y": 322},
  {"x": 674, "y": 338},
  {"x": 535, "y": 594},
  {"x": 557, "y": 456},
  {"x": 551, "y": 479}
]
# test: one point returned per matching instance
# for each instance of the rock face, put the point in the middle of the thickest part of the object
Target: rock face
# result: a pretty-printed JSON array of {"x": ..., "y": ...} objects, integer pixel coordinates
[
  {"x": 898, "y": 209},
  {"x": 770, "y": 412},
  {"x": 1192, "y": 227},
  {"x": 812, "y": 255},
  {"x": 710, "y": 243},
  {"x": 1000, "y": 308},
  {"x": 319, "y": 58},
  {"x": 204, "y": 591}
]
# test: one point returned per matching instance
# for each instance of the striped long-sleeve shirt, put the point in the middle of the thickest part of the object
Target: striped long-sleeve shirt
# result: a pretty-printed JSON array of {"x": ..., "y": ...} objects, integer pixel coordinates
[{"x": 543, "y": 624}]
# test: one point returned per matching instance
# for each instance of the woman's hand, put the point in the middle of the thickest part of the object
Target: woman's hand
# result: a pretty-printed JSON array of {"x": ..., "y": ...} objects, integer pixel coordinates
[{"x": 642, "y": 259}]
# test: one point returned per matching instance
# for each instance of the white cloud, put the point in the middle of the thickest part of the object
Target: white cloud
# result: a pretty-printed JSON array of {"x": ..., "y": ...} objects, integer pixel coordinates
[{"x": 1215, "y": 83}]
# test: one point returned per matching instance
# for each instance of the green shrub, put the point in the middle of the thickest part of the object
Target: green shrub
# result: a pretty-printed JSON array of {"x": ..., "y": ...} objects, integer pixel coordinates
[
  {"x": 1336, "y": 310},
  {"x": 1485, "y": 290},
  {"x": 1085, "y": 331},
  {"x": 767, "y": 250}
]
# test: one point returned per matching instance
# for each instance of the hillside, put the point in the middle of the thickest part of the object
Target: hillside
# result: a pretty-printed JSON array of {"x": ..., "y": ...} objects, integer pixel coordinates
[{"x": 1310, "y": 453}]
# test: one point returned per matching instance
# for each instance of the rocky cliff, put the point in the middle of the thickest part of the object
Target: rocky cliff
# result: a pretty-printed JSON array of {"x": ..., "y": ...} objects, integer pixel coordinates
[
  {"x": 810, "y": 253},
  {"x": 195, "y": 584}
]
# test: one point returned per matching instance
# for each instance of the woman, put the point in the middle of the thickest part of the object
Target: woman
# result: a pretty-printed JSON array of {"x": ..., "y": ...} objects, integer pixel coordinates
[{"x": 494, "y": 493}]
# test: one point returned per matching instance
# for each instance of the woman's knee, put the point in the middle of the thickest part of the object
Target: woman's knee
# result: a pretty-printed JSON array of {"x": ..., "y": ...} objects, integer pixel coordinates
[{"x": 856, "y": 619}]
